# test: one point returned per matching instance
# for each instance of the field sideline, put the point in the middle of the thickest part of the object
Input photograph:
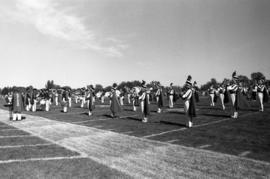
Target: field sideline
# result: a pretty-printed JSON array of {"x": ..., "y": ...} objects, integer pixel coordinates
[{"x": 101, "y": 147}]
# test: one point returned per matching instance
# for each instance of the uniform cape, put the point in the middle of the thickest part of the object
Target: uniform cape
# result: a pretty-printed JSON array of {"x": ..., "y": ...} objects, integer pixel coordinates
[
  {"x": 17, "y": 103},
  {"x": 215, "y": 97},
  {"x": 226, "y": 96},
  {"x": 160, "y": 100},
  {"x": 115, "y": 105},
  {"x": 196, "y": 95},
  {"x": 240, "y": 101},
  {"x": 265, "y": 96},
  {"x": 91, "y": 102},
  {"x": 192, "y": 107},
  {"x": 254, "y": 95},
  {"x": 146, "y": 109}
]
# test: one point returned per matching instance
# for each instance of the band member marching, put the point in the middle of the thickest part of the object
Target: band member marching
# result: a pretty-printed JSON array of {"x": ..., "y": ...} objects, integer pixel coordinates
[
  {"x": 28, "y": 99},
  {"x": 144, "y": 102},
  {"x": 83, "y": 96},
  {"x": 159, "y": 98},
  {"x": 91, "y": 100},
  {"x": 254, "y": 92},
  {"x": 196, "y": 91},
  {"x": 171, "y": 95},
  {"x": 115, "y": 104},
  {"x": 187, "y": 95},
  {"x": 212, "y": 94},
  {"x": 234, "y": 93},
  {"x": 221, "y": 91},
  {"x": 17, "y": 106},
  {"x": 65, "y": 101},
  {"x": 34, "y": 100},
  {"x": 262, "y": 94}
]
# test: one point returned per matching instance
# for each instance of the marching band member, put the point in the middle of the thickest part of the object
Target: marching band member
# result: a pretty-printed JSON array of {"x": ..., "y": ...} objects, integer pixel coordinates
[
  {"x": 234, "y": 93},
  {"x": 134, "y": 99},
  {"x": 83, "y": 97},
  {"x": 212, "y": 92},
  {"x": 144, "y": 101},
  {"x": 221, "y": 91},
  {"x": 91, "y": 100},
  {"x": 28, "y": 99},
  {"x": 171, "y": 94},
  {"x": 196, "y": 91},
  {"x": 159, "y": 97},
  {"x": 34, "y": 100},
  {"x": 56, "y": 98},
  {"x": 47, "y": 100},
  {"x": 262, "y": 94},
  {"x": 115, "y": 105},
  {"x": 65, "y": 101},
  {"x": 17, "y": 106},
  {"x": 187, "y": 95},
  {"x": 121, "y": 98},
  {"x": 254, "y": 92},
  {"x": 102, "y": 97}
]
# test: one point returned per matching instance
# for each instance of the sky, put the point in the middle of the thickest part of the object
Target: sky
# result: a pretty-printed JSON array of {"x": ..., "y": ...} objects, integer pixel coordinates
[{"x": 82, "y": 42}]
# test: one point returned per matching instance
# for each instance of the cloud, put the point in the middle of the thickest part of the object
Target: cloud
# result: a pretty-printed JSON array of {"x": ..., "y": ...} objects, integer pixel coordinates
[{"x": 49, "y": 18}]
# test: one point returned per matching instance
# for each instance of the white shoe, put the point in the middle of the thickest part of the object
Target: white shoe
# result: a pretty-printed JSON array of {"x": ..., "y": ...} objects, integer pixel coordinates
[{"x": 144, "y": 120}]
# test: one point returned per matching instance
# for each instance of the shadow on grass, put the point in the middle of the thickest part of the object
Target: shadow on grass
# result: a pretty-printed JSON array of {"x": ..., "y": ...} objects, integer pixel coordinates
[
  {"x": 172, "y": 123},
  {"x": 216, "y": 115},
  {"x": 133, "y": 118}
]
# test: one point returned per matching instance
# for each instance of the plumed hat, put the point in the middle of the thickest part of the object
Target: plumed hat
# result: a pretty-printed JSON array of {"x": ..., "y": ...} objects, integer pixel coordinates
[
  {"x": 143, "y": 84},
  {"x": 114, "y": 85},
  {"x": 188, "y": 82},
  {"x": 234, "y": 76}
]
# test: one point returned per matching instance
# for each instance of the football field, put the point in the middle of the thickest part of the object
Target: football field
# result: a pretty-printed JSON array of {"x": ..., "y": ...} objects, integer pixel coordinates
[{"x": 74, "y": 145}]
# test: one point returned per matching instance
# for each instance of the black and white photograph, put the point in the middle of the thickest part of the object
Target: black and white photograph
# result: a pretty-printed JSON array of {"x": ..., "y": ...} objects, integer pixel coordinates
[{"x": 143, "y": 89}]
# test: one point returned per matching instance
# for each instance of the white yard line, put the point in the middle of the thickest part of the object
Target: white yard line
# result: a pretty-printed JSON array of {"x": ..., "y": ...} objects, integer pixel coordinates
[
  {"x": 196, "y": 126},
  {"x": 9, "y": 129},
  {"x": 31, "y": 145},
  {"x": 40, "y": 159},
  {"x": 204, "y": 146},
  {"x": 172, "y": 141},
  {"x": 144, "y": 158},
  {"x": 14, "y": 136},
  {"x": 102, "y": 119},
  {"x": 162, "y": 133},
  {"x": 243, "y": 154}
]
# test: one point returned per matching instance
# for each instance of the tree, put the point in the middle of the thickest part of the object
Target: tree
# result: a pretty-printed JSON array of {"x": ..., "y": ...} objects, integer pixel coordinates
[
  {"x": 49, "y": 84},
  {"x": 256, "y": 76},
  {"x": 244, "y": 79},
  {"x": 98, "y": 87}
]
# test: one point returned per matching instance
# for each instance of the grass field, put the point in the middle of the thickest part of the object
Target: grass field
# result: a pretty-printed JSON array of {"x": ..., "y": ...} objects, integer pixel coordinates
[{"x": 73, "y": 145}]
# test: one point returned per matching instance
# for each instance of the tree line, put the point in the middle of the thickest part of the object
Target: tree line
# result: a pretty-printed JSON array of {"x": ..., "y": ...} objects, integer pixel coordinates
[{"x": 254, "y": 77}]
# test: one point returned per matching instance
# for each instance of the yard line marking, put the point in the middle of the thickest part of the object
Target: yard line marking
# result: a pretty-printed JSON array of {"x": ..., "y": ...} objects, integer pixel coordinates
[
  {"x": 14, "y": 136},
  {"x": 102, "y": 119},
  {"x": 41, "y": 159},
  {"x": 243, "y": 154},
  {"x": 200, "y": 125},
  {"x": 172, "y": 141},
  {"x": 166, "y": 132},
  {"x": 31, "y": 145},
  {"x": 9, "y": 129},
  {"x": 204, "y": 146}
]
